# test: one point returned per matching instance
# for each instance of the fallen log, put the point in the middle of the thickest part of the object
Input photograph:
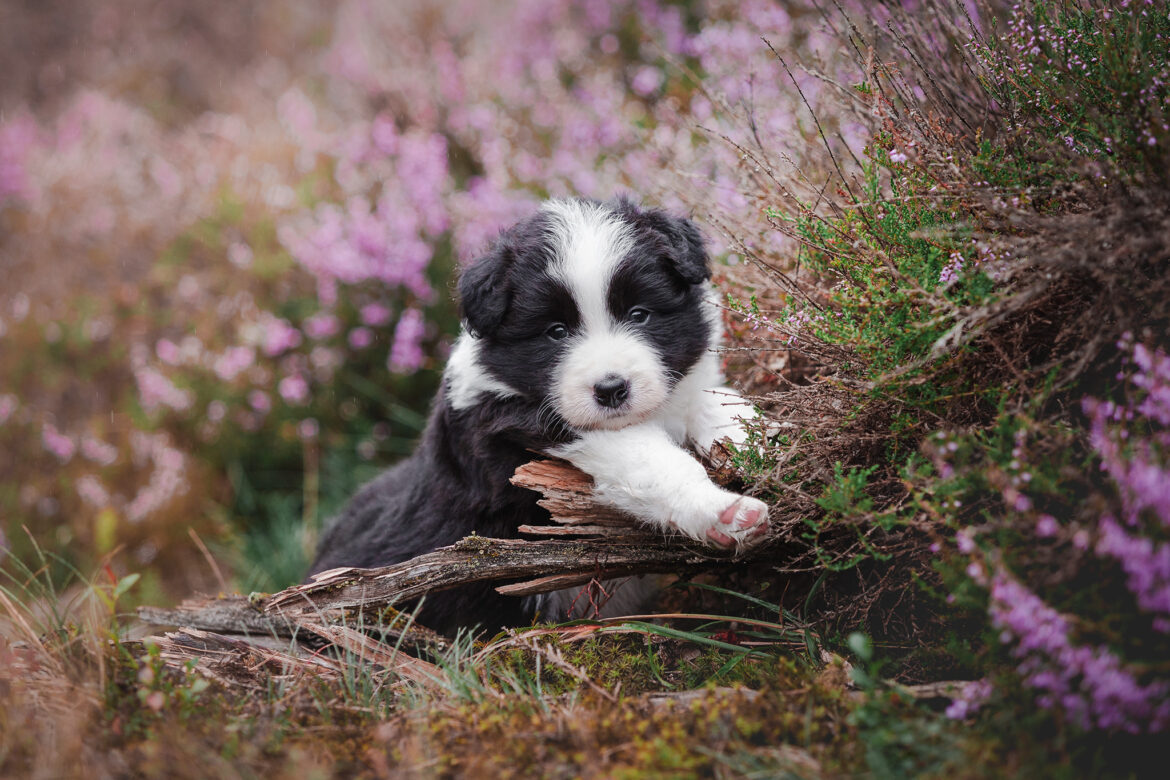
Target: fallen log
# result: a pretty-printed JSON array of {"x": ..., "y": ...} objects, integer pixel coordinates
[
  {"x": 479, "y": 559},
  {"x": 231, "y": 614},
  {"x": 242, "y": 615},
  {"x": 583, "y": 542}
]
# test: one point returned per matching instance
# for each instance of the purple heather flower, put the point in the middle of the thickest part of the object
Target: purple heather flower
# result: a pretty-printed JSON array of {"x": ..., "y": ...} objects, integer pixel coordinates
[
  {"x": 308, "y": 429},
  {"x": 57, "y": 443},
  {"x": 970, "y": 699},
  {"x": 156, "y": 391},
  {"x": 406, "y": 355},
  {"x": 1146, "y": 564},
  {"x": 360, "y": 338},
  {"x": 280, "y": 336},
  {"x": 646, "y": 81},
  {"x": 376, "y": 314},
  {"x": 321, "y": 326},
  {"x": 259, "y": 400},
  {"x": 168, "y": 352},
  {"x": 1089, "y": 683},
  {"x": 233, "y": 362},
  {"x": 1046, "y": 525},
  {"x": 216, "y": 411},
  {"x": 98, "y": 451},
  {"x": 294, "y": 389}
]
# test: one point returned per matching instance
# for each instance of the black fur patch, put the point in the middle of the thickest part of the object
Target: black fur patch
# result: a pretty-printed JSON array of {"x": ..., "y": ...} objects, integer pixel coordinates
[{"x": 456, "y": 482}]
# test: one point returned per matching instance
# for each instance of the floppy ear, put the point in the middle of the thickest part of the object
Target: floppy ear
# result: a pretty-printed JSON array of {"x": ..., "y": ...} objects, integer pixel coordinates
[
  {"x": 690, "y": 258},
  {"x": 687, "y": 257},
  {"x": 484, "y": 291}
]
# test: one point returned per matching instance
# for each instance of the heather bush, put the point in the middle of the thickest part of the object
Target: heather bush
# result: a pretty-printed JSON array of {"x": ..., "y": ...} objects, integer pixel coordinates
[{"x": 963, "y": 300}]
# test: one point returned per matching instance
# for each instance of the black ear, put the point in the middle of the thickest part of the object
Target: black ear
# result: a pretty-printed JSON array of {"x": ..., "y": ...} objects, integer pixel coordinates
[
  {"x": 690, "y": 256},
  {"x": 687, "y": 256},
  {"x": 484, "y": 291}
]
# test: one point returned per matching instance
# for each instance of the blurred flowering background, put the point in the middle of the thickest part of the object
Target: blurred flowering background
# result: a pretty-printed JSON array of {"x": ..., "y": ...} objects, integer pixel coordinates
[{"x": 228, "y": 234}]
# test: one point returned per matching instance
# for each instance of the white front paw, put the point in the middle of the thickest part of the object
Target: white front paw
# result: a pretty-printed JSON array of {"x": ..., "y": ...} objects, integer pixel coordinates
[{"x": 723, "y": 519}]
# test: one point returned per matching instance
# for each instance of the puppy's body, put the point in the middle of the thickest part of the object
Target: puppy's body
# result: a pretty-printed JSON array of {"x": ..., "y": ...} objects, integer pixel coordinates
[{"x": 589, "y": 336}]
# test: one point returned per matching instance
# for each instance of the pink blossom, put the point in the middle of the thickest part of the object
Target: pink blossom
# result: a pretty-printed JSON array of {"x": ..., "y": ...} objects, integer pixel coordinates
[
  {"x": 360, "y": 338},
  {"x": 259, "y": 400},
  {"x": 1046, "y": 525},
  {"x": 308, "y": 429},
  {"x": 57, "y": 443},
  {"x": 406, "y": 354},
  {"x": 646, "y": 81},
  {"x": 156, "y": 391},
  {"x": 168, "y": 352},
  {"x": 953, "y": 268},
  {"x": 234, "y": 361},
  {"x": 384, "y": 134},
  {"x": 90, "y": 490},
  {"x": 98, "y": 451},
  {"x": 321, "y": 326},
  {"x": 18, "y": 139},
  {"x": 240, "y": 254},
  {"x": 166, "y": 479},
  {"x": 280, "y": 336},
  {"x": 376, "y": 314},
  {"x": 294, "y": 389}
]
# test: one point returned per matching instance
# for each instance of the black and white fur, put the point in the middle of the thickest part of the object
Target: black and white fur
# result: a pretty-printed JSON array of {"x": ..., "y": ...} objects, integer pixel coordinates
[{"x": 589, "y": 335}]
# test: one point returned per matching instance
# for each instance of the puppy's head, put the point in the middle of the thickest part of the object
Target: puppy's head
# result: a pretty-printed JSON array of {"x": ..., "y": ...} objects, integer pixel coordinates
[{"x": 592, "y": 309}]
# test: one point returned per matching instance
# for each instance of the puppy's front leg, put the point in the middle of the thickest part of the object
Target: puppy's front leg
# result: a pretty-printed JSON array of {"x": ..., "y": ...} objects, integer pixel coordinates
[{"x": 641, "y": 471}]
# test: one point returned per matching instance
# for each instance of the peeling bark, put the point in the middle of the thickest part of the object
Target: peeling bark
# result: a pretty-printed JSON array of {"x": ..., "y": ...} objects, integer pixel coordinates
[{"x": 235, "y": 636}]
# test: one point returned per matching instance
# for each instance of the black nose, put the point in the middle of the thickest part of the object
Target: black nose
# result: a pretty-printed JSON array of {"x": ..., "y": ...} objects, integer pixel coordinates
[{"x": 611, "y": 391}]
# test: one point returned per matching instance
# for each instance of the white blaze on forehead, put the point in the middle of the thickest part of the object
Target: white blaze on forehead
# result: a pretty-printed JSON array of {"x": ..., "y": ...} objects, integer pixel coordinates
[{"x": 588, "y": 242}]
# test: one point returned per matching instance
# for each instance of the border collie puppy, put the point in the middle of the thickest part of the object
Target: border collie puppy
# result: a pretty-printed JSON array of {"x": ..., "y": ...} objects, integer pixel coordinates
[{"x": 589, "y": 330}]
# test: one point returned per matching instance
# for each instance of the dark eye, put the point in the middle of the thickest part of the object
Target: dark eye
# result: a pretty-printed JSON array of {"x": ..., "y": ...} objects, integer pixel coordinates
[
  {"x": 638, "y": 315},
  {"x": 556, "y": 331}
]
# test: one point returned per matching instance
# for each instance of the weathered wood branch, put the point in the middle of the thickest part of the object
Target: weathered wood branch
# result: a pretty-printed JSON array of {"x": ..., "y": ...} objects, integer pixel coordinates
[
  {"x": 240, "y": 615},
  {"x": 344, "y": 607},
  {"x": 478, "y": 559},
  {"x": 230, "y": 614},
  {"x": 568, "y": 495}
]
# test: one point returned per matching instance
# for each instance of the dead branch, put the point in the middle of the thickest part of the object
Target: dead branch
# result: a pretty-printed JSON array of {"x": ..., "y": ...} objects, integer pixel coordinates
[
  {"x": 478, "y": 559},
  {"x": 226, "y": 614},
  {"x": 568, "y": 495},
  {"x": 236, "y": 662},
  {"x": 235, "y": 638},
  {"x": 241, "y": 615}
]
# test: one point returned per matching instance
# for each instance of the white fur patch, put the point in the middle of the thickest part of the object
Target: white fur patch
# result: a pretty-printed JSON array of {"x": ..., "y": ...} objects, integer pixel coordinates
[
  {"x": 589, "y": 242},
  {"x": 643, "y": 472},
  {"x": 467, "y": 379},
  {"x": 590, "y": 358}
]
